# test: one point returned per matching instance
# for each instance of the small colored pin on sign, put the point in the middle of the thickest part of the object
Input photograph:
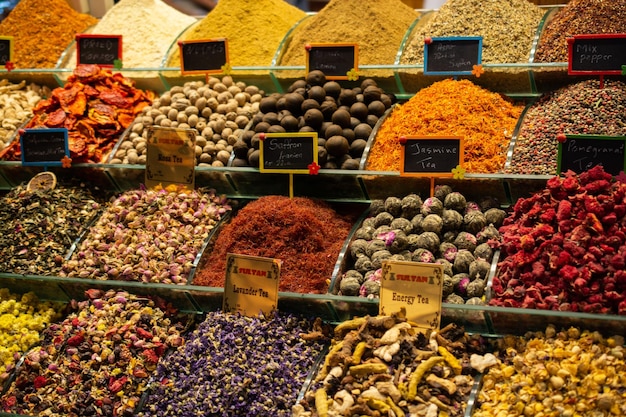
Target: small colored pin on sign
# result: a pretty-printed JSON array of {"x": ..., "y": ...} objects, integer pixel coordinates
[{"x": 561, "y": 138}]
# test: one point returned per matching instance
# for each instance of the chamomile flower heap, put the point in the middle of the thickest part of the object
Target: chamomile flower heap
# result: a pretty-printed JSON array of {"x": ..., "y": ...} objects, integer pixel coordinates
[
  {"x": 233, "y": 365},
  {"x": 98, "y": 360},
  {"x": 22, "y": 318}
]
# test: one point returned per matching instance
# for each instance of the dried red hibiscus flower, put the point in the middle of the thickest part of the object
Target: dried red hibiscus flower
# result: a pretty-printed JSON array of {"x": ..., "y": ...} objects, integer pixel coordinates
[{"x": 563, "y": 247}]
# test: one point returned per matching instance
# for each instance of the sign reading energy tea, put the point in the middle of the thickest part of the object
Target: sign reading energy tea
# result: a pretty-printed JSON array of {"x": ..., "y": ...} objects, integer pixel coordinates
[
  {"x": 414, "y": 286},
  {"x": 251, "y": 285}
]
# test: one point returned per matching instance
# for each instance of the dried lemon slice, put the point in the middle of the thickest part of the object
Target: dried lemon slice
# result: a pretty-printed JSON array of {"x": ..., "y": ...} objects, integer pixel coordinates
[{"x": 43, "y": 181}]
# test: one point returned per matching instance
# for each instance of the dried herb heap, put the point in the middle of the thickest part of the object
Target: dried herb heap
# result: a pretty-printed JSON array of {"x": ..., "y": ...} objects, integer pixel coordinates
[
  {"x": 486, "y": 121},
  {"x": 564, "y": 247},
  {"x": 445, "y": 229},
  {"x": 235, "y": 365},
  {"x": 38, "y": 227},
  {"x": 98, "y": 360},
  {"x": 95, "y": 105},
  {"x": 22, "y": 318},
  {"x": 508, "y": 28},
  {"x": 383, "y": 365},
  {"x": 580, "y": 108},
  {"x": 579, "y": 17},
  {"x": 568, "y": 372},
  {"x": 307, "y": 235},
  {"x": 43, "y": 29},
  {"x": 147, "y": 236}
]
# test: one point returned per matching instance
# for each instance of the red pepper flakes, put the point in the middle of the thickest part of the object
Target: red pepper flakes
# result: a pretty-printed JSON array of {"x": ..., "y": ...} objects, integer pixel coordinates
[{"x": 307, "y": 235}]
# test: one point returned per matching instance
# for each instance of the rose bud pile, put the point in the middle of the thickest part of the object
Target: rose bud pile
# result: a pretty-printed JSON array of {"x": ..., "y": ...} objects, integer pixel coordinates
[{"x": 564, "y": 248}]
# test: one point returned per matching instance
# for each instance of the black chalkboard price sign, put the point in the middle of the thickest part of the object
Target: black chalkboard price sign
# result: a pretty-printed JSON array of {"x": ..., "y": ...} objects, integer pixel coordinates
[
  {"x": 596, "y": 54},
  {"x": 579, "y": 153},
  {"x": 206, "y": 56},
  {"x": 6, "y": 49},
  {"x": 292, "y": 153},
  {"x": 454, "y": 55},
  {"x": 102, "y": 50},
  {"x": 430, "y": 155},
  {"x": 335, "y": 60},
  {"x": 44, "y": 147}
]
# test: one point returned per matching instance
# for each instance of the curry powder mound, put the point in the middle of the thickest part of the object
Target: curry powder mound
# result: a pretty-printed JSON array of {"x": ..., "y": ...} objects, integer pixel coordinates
[
  {"x": 42, "y": 30},
  {"x": 254, "y": 29}
]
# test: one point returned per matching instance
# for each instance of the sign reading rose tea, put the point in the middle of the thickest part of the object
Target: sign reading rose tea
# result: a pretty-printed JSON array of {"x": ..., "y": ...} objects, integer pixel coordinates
[
  {"x": 415, "y": 286},
  {"x": 206, "y": 56},
  {"x": 44, "y": 147},
  {"x": 580, "y": 153},
  {"x": 251, "y": 285},
  {"x": 455, "y": 55},
  {"x": 102, "y": 50},
  {"x": 170, "y": 157},
  {"x": 335, "y": 60},
  {"x": 288, "y": 152},
  {"x": 596, "y": 54},
  {"x": 430, "y": 155},
  {"x": 6, "y": 49}
]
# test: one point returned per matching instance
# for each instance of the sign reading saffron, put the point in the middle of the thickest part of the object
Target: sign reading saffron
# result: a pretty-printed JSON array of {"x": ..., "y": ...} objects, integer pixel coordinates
[
  {"x": 251, "y": 285},
  {"x": 335, "y": 60},
  {"x": 206, "y": 56},
  {"x": 596, "y": 54},
  {"x": 579, "y": 153},
  {"x": 429, "y": 155},
  {"x": 288, "y": 152},
  {"x": 44, "y": 147},
  {"x": 415, "y": 286},
  {"x": 101, "y": 50},
  {"x": 455, "y": 55}
]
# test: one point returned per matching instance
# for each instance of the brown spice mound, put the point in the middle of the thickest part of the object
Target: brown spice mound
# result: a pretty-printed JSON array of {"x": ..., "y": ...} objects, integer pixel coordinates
[
  {"x": 579, "y": 17},
  {"x": 307, "y": 235},
  {"x": 43, "y": 29}
]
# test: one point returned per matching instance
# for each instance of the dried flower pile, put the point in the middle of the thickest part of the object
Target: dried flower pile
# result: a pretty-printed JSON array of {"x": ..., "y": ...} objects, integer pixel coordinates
[
  {"x": 307, "y": 235},
  {"x": 486, "y": 121},
  {"x": 95, "y": 105},
  {"x": 219, "y": 110},
  {"x": 16, "y": 105},
  {"x": 582, "y": 108},
  {"x": 579, "y": 17},
  {"x": 555, "y": 373},
  {"x": 22, "y": 318},
  {"x": 56, "y": 24},
  {"x": 342, "y": 117},
  {"x": 445, "y": 229},
  {"x": 150, "y": 236},
  {"x": 97, "y": 361},
  {"x": 235, "y": 365},
  {"x": 383, "y": 366},
  {"x": 564, "y": 247},
  {"x": 38, "y": 227}
]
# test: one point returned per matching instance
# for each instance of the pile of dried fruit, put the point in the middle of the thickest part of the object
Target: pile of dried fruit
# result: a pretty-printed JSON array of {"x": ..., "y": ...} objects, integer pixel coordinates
[
  {"x": 384, "y": 366},
  {"x": 445, "y": 229},
  {"x": 307, "y": 235},
  {"x": 342, "y": 117},
  {"x": 235, "y": 365},
  {"x": 22, "y": 318},
  {"x": 95, "y": 105},
  {"x": 564, "y": 248},
  {"x": 555, "y": 373},
  {"x": 98, "y": 360},
  {"x": 219, "y": 110},
  {"x": 16, "y": 105},
  {"x": 38, "y": 227},
  {"x": 148, "y": 236}
]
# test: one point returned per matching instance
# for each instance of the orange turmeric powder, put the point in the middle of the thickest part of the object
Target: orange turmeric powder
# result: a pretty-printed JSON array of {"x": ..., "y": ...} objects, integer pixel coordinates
[{"x": 485, "y": 120}]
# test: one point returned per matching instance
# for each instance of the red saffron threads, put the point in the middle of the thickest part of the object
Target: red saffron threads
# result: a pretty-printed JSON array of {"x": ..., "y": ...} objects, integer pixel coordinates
[{"x": 307, "y": 235}]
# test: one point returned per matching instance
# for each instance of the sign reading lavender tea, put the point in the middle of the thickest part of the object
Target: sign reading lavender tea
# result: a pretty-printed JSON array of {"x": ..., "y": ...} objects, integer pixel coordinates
[
  {"x": 455, "y": 55},
  {"x": 579, "y": 153}
]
